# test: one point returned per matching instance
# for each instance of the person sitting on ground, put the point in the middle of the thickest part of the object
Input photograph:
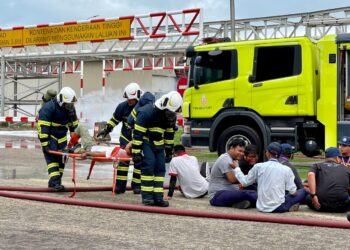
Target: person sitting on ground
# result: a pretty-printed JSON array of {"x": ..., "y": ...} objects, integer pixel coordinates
[
  {"x": 248, "y": 160},
  {"x": 344, "y": 148},
  {"x": 285, "y": 157},
  {"x": 185, "y": 168},
  {"x": 223, "y": 186},
  {"x": 273, "y": 180},
  {"x": 329, "y": 184}
]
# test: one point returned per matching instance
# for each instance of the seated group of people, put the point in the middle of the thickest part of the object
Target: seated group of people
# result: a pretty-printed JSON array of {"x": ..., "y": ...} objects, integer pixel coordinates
[{"x": 237, "y": 180}]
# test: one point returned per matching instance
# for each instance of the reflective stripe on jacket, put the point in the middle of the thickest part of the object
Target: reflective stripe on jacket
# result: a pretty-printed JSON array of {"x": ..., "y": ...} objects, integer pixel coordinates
[{"x": 54, "y": 122}]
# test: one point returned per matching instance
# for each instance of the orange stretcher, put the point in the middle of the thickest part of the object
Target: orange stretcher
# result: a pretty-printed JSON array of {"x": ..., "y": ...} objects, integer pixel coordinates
[{"x": 74, "y": 157}]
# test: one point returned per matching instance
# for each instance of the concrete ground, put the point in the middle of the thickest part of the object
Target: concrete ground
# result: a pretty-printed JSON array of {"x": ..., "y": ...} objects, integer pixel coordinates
[{"x": 37, "y": 225}]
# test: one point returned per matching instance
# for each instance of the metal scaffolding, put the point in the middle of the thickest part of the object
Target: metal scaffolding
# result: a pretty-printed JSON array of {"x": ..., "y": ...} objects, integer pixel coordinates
[
  {"x": 311, "y": 24},
  {"x": 158, "y": 41}
]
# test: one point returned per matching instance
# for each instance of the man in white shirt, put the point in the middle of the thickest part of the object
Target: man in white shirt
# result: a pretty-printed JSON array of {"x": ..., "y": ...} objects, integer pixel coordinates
[
  {"x": 273, "y": 180},
  {"x": 186, "y": 169}
]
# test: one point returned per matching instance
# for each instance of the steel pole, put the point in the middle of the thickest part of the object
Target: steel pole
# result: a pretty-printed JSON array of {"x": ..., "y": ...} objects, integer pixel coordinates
[{"x": 233, "y": 24}]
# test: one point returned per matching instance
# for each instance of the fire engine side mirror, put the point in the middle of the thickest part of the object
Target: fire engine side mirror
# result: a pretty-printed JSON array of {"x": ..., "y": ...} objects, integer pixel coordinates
[
  {"x": 190, "y": 52},
  {"x": 198, "y": 61},
  {"x": 252, "y": 78}
]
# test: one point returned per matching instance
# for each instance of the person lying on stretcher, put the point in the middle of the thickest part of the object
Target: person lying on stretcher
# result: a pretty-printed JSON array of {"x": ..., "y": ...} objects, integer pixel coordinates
[
  {"x": 105, "y": 151},
  {"x": 81, "y": 141}
]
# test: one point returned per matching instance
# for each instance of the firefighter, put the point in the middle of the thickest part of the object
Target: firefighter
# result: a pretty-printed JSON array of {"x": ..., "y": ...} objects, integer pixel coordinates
[
  {"x": 55, "y": 118},
  {"x": 132, "y": 93},
  {"x": 146, "y": 98},
  {"x": 153, "y": 134}
]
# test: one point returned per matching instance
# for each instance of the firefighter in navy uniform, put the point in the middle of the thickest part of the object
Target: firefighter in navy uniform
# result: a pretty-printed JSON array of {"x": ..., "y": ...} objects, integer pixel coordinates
[
  {"x": 55, "y": 118},
  {"x": 153, "y": 136},
  {"x": 145, "y": 99},
  {"x": 132, "y": 93}
]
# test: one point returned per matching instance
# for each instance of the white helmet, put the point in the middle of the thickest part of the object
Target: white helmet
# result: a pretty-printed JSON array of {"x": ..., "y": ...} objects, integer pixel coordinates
[
  {"x": 132, "y": 91},
  {"x": 66, "y": 95},
  {"x": 171, "y": 101}
]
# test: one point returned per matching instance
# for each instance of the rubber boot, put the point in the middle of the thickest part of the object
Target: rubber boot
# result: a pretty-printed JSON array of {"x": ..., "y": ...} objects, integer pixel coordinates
[
  {"x": 161, "y": 203},
  {"x": 147, "y": 198},
  {"x": 120, "y": 187},
  {"x": 58, "y": 188},
  {"x": 136, "y": 188}
]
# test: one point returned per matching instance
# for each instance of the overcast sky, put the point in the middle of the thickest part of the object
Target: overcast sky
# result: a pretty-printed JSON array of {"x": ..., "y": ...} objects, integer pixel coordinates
[{"x": 31, "y": 12}]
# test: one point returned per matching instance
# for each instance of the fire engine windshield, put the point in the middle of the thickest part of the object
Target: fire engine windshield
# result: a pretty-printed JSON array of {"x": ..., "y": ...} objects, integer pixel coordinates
[{"x": 209, "y": 67}]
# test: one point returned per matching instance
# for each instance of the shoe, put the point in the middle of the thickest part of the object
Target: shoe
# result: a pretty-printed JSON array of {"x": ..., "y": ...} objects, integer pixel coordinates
[
  {"x": 136, "y": 189},
  {"x": 242, "y": 204},
  {"x": 119, "y": 190},
  {"x": 148, "y": 202},
  {"x": 58, "y": 188},
  {"x": 161, "y": 203},
  {"x": 294, "y": 208}
]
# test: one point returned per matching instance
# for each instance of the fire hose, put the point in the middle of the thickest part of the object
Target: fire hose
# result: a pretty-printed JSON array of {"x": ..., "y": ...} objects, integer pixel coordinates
[
  {"x": 6, "y": 192},
  {"x": 9, "y": 193}
]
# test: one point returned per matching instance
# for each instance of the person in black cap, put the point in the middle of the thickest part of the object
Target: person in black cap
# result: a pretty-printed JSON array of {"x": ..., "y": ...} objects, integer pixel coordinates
[
  {"x": 344, "y": 148},
  {"x": 285, "y": 157},
  {"x": 329, "y": 184},
  {"x": 273, "y": 180}
]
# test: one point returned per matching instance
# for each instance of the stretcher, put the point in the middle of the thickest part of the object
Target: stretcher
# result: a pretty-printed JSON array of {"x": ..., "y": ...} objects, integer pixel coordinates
[{"x": 74, "y": 156}]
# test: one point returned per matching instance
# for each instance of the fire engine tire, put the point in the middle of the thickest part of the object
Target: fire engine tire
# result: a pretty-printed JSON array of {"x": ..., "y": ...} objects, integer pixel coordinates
[{"x": 239, "y": 131}]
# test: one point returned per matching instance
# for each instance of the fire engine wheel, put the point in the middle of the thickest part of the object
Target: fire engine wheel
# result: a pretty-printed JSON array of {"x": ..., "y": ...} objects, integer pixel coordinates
[{"x": 250, "y": 136}]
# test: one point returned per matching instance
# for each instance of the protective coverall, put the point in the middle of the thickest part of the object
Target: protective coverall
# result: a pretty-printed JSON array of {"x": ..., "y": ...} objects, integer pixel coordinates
[
  {"x": 151, "y": 135},
  {"x": 53, "y": 124},
  {"x": 121, "y": 114}
]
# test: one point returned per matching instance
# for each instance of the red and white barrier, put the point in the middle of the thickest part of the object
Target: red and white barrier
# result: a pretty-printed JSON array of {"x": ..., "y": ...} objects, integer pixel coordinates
[
  {"x": 22, "y": 119},
  {"x": 20, "y": 145},
  {"x": 27, "y": 119}
]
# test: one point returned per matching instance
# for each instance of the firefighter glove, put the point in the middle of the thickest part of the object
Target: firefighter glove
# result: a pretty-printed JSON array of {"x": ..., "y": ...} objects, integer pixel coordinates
[
  {"x": 45, "y": 149},
  {"x": 137, "y": 159},
  {"x": 168, "y": 153},
  {"x": 105, "y": 131}
]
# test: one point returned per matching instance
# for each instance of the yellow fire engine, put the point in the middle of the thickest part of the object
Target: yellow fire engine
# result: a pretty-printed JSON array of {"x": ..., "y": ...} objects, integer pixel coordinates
[{"x": 293, "y": 90}]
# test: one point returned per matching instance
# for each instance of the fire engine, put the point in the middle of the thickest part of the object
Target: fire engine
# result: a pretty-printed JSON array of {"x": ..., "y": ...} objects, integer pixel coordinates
[{"x": 293, "y": 90}]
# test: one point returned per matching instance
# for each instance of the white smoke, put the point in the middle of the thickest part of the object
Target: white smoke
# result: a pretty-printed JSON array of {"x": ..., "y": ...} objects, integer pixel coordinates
[{"x": 96, "y": 107}]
